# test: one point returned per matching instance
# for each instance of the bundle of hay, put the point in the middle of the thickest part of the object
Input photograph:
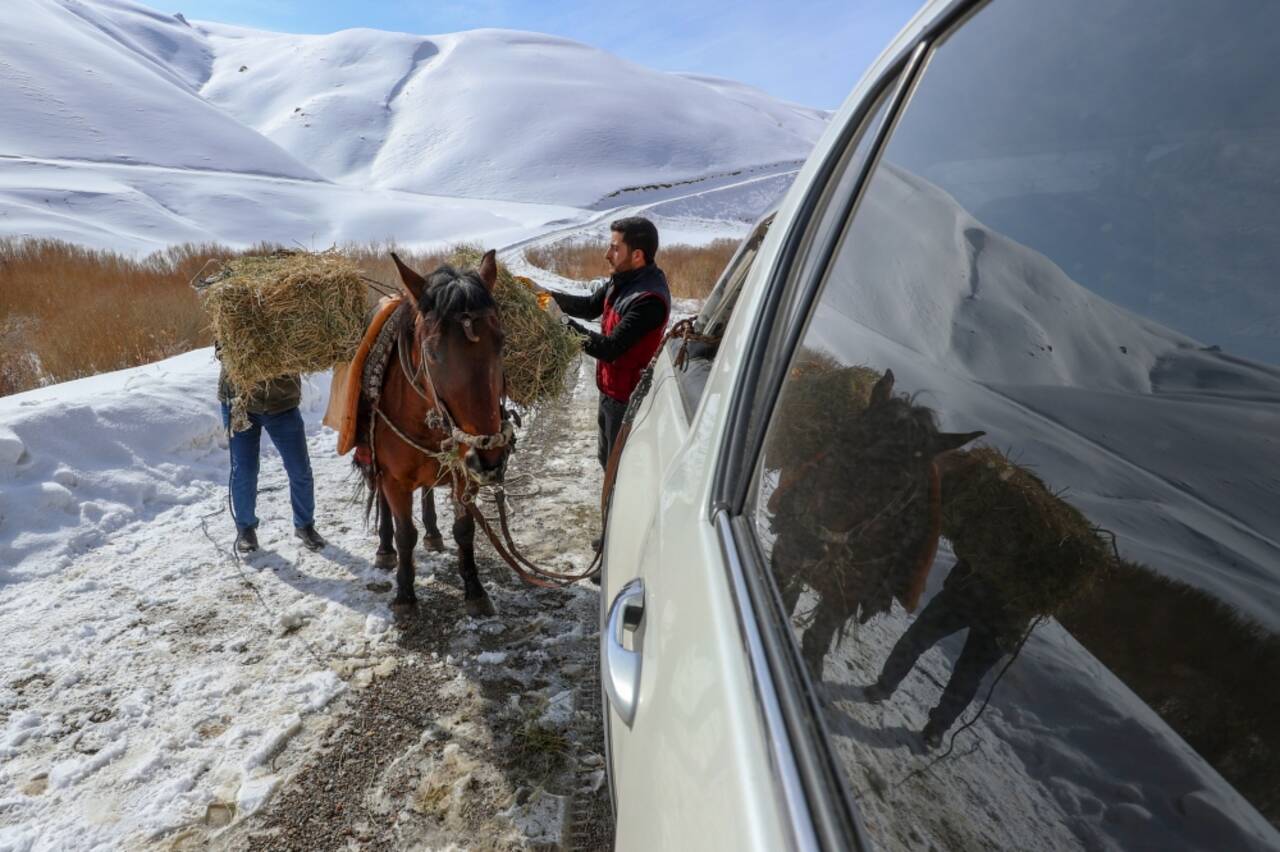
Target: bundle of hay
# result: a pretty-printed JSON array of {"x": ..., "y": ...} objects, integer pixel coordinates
[
  {"x": 819, "y": 395},
  {"x": 290, "y": 312},
  {"x": 1033, "y": 546},
  {"x": 539, "y": 350}
]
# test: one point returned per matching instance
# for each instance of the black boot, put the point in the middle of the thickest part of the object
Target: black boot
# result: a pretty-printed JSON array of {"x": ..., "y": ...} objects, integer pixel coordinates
[
  {"x": 311, "y": 539},
  {"x": 246, "y": 540}
]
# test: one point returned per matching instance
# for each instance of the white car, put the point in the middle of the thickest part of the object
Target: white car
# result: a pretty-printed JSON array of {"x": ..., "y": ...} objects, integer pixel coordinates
[{"x": 1057, "y": 224}]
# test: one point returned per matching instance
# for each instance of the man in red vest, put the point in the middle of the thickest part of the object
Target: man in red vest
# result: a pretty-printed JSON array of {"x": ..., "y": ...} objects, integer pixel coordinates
[{"x": 633, "y": 308}]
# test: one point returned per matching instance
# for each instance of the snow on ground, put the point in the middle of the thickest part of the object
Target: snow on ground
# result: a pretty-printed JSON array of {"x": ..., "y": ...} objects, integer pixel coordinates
[{"x": 151, "y": 684}]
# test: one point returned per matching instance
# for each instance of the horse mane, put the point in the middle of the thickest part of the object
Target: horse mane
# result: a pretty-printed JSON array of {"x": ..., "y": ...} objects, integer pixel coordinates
[{"x": 450, "y": 293}]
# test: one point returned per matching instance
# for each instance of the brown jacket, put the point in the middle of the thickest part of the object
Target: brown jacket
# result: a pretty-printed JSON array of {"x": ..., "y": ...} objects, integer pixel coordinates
[{"x": 274, "y": 397}]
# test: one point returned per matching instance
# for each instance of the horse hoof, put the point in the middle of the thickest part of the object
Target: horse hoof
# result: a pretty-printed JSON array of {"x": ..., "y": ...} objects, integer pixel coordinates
[
  {"x": 385, "y": 561},
  {"x": 434, "y": 543},
  {"x": 481, "y": 607},
  {"x": 403, "y": 610}
]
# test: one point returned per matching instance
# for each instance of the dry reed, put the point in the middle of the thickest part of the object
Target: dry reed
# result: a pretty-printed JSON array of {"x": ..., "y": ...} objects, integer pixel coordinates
[
  {"x": 67, "y": 311},
  {"x": 691, "y": 270}
]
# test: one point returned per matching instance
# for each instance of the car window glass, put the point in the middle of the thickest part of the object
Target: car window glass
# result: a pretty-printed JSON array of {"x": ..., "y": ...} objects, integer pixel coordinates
[
  {"x": 695, "y": 355},
  {"x": 1060, "y": 633}
]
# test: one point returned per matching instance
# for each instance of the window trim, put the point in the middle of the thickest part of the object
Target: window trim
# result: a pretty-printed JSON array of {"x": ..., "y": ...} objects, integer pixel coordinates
[
  {"x": 829, "y": 802},
  {"x": 812, "y": 787}
]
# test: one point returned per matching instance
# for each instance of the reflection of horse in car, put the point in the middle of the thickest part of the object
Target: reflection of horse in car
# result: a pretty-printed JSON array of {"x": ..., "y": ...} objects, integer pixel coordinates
[
  {"x": 856, "y": 504},
  {"x": 1022, "y": 552},
  {"x": 866, "y": 485}
]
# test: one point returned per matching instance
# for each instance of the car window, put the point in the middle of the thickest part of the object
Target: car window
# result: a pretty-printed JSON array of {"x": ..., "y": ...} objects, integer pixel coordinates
[
  {"x": 696, "y": 355},
  {"x": 1019, "y": 493}
]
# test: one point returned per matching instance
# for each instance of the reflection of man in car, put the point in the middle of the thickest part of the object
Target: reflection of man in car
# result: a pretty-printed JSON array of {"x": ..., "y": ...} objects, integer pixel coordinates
[
  {"x": 632, "y": 307},
  {"x": 966, "y": 601},
  {"x": 1022, "y": 552}
]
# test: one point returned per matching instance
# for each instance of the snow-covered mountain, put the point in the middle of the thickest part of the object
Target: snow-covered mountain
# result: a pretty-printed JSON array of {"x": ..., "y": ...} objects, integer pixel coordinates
[{"x": 125, "y": 127}]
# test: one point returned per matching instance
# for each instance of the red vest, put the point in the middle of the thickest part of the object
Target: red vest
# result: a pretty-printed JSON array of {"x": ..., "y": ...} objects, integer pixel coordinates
[{"x": 619, "y": 377}]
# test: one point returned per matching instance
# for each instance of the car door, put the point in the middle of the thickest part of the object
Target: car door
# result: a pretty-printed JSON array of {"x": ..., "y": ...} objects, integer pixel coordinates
[
  {"x": 1066, "y": 242},
  {"x": 699, "y": 755}
]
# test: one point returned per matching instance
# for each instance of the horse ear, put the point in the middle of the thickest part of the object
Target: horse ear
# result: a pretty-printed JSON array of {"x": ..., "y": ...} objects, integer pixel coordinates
[
  {"x": 413, "y": 282},
  {"x": 489, "y": 269},
  {"x": 948, "y": 441},
  {"x": 883, "y": 390}
]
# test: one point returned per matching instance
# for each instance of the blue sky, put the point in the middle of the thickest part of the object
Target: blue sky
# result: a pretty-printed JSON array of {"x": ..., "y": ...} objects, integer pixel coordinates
[{"x": 811, "y": 51}]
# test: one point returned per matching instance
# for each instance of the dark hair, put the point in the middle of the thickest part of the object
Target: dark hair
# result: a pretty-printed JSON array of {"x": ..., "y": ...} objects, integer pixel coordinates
[
  {"x": 449, "y": 293},
  {"x": 638, "y": 233}
]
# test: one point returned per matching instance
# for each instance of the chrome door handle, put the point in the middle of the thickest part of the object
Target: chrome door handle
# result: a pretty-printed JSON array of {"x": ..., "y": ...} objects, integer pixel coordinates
[{"x": 622, "y": 667}]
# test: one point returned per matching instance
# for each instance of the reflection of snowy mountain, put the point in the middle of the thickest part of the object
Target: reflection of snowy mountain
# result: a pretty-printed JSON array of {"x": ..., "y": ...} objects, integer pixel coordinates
[{"x": 1148, "y": 430}]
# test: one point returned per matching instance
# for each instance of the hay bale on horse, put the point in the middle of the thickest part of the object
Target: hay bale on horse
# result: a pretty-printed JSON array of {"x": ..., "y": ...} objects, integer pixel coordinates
[
  {"x": 1035, "y": 551},
  {"x": 285, "y": 313},
  {"x": 856, "y": 507},
  {"x": 432, "y": 411}
]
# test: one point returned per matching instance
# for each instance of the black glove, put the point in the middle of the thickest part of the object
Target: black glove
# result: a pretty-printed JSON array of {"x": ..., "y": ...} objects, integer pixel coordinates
[{"x": 573, "y": 326}]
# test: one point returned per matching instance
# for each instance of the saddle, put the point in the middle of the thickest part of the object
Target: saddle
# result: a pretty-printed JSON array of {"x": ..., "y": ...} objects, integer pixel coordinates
[{"x": 361, "y": 379}]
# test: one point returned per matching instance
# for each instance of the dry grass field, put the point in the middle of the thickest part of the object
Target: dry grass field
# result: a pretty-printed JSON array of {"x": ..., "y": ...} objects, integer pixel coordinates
[
  {"x": 1213, "y": 675},
  {"x": 691, "y": 270},
  {"x": 67, "y": 311}
]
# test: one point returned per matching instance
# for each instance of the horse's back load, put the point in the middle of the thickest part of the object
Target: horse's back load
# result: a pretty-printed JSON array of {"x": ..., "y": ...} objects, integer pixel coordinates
[
  {"x": 1023, "y": 539},
  {"x": 285, "y": 313}
]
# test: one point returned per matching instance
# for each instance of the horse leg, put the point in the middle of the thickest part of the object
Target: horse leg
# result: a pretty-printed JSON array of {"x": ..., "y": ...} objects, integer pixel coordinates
[
  {"x": 400, "y": 500},
  {"x": 386, "y": 558},
  {"x": 832, "y": 612},
  {"x": 432, "y": 540},
  {"x": 464, "y": 533}
]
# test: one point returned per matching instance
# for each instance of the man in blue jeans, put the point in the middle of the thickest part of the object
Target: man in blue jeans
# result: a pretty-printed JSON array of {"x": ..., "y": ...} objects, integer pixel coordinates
[{"x": 274, "y": 407}]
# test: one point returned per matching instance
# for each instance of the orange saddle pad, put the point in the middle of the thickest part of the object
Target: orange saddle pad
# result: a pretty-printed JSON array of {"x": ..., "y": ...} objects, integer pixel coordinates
[{"x": 344, "y": 391}]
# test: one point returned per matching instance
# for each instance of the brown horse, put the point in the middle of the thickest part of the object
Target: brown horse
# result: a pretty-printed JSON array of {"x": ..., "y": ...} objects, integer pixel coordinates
[
  {"x": 860, "y": 525},
  {"x": 439, "y": 421}
]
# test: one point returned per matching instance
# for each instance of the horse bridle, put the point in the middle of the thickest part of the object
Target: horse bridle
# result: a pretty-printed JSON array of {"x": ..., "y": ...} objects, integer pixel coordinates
[{"x": 438, "y": 417}]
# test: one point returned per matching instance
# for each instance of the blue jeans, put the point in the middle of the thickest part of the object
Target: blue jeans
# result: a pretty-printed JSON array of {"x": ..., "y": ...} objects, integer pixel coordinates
[{"x": 290, "y": 437}]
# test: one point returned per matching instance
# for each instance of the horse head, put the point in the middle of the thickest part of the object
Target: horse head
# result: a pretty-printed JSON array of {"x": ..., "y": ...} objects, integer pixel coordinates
[
  {"x": 884, "y": 462},
  {"x": 458, "y": 337}
]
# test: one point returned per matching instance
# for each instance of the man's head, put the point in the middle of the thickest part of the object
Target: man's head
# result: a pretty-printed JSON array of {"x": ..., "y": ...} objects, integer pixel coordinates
[{"x": 633, "y": 242}]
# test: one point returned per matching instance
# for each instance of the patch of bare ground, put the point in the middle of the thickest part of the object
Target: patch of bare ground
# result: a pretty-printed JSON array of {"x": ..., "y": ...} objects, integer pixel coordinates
[
  {"x": 481, "y": 733},
  {"x": 691, "y": 270}
]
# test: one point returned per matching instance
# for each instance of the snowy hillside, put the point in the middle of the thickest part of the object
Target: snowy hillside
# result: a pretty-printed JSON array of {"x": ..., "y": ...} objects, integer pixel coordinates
[
  {"x": 127, "y": 128},
  {"x": 75, "y": 85},
  {"x": 493, "y": 113}
]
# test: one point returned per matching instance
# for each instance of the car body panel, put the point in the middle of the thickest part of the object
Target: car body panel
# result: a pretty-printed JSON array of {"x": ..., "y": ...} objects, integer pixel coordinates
[{"x": 698, "y": 767}]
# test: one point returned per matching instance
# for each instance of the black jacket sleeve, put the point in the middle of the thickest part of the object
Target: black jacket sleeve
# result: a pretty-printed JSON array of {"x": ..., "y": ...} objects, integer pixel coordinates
[
  {"x": 638, "y": 319},
  {"x": 582, "y": 307}
]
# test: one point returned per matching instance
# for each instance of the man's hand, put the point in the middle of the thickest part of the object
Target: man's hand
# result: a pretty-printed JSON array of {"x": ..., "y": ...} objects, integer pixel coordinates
[{"x": 573, "y": 326}]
